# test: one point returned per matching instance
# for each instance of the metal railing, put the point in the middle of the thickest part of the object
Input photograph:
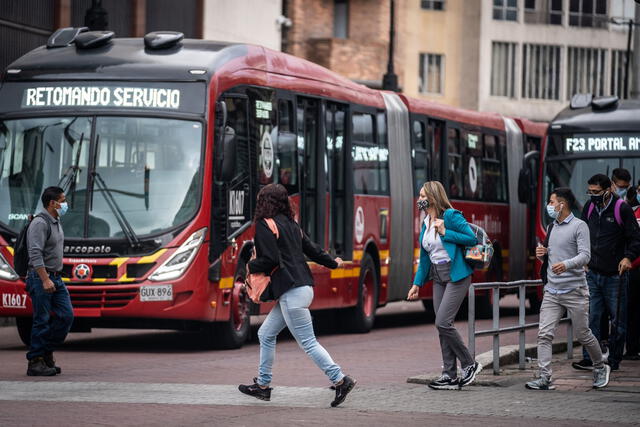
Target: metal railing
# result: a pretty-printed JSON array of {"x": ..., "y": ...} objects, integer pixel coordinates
[{"x": 496, "y": 330}]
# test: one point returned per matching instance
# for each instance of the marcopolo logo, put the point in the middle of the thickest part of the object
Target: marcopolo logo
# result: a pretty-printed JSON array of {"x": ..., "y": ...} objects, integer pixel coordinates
[{"x": 87, "y": 250}]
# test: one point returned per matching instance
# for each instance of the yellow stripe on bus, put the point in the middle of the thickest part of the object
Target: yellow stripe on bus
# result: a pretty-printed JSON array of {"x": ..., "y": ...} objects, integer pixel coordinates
[
  {"x": 10, "y": 249},
  {"x": 339, "y": 273},
  {"x": 124, "y": 278},
  {"x": 99, "y": 280},
  {"x": 226, "y": 283},
  {"x": 151, "y": 258},
  {"x": 384, "y": 254},
  {"x": 357, "y": 255},
  {"x": 118, "y": 261},
  {"x": 384, "y": 271}
]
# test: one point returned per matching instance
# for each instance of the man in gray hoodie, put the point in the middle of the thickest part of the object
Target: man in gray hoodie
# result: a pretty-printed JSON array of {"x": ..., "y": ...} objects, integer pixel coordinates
[{"x": 567, "y": 253}]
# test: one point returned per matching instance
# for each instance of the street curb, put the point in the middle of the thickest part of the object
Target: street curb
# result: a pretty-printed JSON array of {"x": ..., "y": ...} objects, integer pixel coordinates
[{"x": 508, "y": 356}]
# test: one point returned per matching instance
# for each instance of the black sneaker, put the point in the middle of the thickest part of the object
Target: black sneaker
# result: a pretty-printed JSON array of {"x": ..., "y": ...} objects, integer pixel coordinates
[
  {"x": 583, "y": 365},
  {"x": 37, "y": 368},
  {"x": 469, "y": 373},
  {"x": 342, "y": 390},
  {"x": 445, "y": 382},
  {"x": 256, "y": 391},
  {"x": 631, "y": 356},
  {"x": 51, "y": 362}
]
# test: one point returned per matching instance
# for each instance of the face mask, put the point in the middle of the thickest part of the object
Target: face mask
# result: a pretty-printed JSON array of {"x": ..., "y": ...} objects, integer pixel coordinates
[
  {"x": 552, "y": 212},
  {"x": 422, "y": 204},
  {"x": 599, "y": 199},
  {"x": 64, "y": 207},
  {"x": 621, "y": 192}
]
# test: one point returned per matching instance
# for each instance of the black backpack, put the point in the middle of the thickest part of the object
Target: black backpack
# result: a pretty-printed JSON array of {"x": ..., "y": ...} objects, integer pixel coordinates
[{"x": 21, "y": 255}]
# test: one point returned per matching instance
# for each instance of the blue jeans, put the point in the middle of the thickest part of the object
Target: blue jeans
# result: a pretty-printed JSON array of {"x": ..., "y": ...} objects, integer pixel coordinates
[
  {"x": 603, "y": 293},
  {"x": 292, "y": 311},
  {"x": 48, "y": 332}
]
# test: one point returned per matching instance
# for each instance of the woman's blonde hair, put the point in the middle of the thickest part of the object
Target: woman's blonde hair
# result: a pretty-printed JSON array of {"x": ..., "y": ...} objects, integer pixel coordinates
[{"x": 436, "y": 196}]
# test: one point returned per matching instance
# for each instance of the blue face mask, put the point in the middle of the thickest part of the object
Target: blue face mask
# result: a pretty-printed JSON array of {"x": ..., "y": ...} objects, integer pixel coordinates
[
  {"x": 64, "y": 207},
  {"x": 552, "y": 212},
  {"x": 622, "y": 192}
]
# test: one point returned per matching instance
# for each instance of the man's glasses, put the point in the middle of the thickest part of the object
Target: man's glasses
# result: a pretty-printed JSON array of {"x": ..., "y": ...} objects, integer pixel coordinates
[{"x": 594, "y": 192}]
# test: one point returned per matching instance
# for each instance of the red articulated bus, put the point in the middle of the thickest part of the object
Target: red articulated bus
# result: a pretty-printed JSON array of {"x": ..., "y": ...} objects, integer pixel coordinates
[{"x": 161, "y": 145}]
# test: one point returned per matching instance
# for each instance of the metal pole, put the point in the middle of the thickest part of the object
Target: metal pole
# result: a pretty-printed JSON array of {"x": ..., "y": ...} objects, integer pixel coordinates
[
  {"x": 496, "y": 326},
  {"x": 471, "y": 318},
  {"x": 628, "y": 59},
  {"x": 390, "y": 80},
  {"x": 635, "y": 69},
  {"x": 521, "y": 310}
]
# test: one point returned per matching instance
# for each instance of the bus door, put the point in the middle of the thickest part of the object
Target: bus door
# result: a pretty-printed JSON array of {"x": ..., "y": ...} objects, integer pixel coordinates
[{"x": 313, "y": 210}]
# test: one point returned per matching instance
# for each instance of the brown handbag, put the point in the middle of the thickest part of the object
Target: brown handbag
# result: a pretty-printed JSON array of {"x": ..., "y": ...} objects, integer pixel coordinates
[{"x": 257, "y": 283}]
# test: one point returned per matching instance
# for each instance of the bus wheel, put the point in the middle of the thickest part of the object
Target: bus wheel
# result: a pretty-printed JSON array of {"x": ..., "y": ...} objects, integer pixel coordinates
[
  {"x": 24, "y": 325},
  {"x": 361, "y": 317},
  {"x": 234, "y": 332},
  {"x": 429, "y": 310}
]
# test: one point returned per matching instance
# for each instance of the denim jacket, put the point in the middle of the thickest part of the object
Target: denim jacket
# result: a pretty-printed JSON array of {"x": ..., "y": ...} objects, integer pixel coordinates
[{"x": 458, "y": 234}]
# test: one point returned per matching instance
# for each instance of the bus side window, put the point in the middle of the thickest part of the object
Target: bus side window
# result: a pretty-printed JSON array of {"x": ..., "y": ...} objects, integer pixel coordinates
[
  {"x": 491, "y": 169},
  {"x": 472, "y": 165},
  {"x": 366, "y": 178},
  {"x": 420, "y": 155},
  {"x": 286, "y": 168},
  {"x": 435, "y": 145},
  {"x": 454, "y": 166},
  {"x": 383, "y": 154},
  {"x": 503, "y": 195}
]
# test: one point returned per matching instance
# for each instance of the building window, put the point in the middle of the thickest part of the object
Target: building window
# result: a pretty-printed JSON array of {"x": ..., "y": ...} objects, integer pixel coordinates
[
  {"x": 543, "y": 12},
  {"x": 541, "y": 71},
  {"x": 431, "y": 73},
  {"x": 505, "y": 10},
  {"x": 618, "y": 58},
  {"x": 503, "y": 65},
  {"x": 585, "y": 71},
  {"x": 341, "y": 19},
  {"x": 588, "y": 13},
  {"x": 432, "y": 4}
]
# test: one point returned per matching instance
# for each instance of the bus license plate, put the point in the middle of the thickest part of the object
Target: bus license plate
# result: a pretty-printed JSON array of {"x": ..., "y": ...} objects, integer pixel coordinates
[{"x": 156, "y": 293}]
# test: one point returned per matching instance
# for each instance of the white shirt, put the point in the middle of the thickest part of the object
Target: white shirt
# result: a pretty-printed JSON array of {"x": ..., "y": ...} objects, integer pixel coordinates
[{"x": 432, "y": 243}]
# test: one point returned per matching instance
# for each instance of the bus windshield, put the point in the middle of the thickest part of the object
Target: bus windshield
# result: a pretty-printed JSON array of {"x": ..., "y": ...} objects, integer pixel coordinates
[
  {"x": 565, "y": 169},
  {"x": 147, "y": 170}
]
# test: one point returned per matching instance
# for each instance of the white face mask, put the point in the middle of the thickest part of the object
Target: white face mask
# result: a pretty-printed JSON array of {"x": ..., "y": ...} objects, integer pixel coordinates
[{"x": 552, "y": 212}]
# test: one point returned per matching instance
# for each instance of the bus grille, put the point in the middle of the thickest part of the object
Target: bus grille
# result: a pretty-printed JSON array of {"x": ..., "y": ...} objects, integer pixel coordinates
[{"x": 102, "y": 298}]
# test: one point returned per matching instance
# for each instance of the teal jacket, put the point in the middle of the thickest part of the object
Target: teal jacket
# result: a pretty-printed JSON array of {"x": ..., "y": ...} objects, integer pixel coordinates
[{"x": 457, "y": 235}]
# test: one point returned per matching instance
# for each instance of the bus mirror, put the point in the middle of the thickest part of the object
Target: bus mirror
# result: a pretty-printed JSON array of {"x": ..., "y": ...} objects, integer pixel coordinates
[
  {"x": 524, "y": 188},
  {"x": 228, "y": 167}
]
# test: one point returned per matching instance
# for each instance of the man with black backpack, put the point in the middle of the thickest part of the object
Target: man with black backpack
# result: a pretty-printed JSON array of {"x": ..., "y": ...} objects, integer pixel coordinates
[
  {"x": 44, "y": 243},
  {"x": 615, "y": 242}
]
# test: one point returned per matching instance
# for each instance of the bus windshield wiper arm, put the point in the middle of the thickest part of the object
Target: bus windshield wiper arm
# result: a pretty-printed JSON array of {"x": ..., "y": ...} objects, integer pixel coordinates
[
  {"x": 117, "y": 212},
  {"x": 68, "y": 179}
]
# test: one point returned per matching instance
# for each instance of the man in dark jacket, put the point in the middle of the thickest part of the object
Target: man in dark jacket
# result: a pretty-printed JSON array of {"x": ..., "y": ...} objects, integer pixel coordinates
[{"x": 615, "y": 242}]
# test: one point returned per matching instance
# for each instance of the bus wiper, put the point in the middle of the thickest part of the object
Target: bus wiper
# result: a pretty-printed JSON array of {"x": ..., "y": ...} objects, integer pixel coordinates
[
  {"x": 68, "y": 179},
  {"x": 117, "y": 212}
]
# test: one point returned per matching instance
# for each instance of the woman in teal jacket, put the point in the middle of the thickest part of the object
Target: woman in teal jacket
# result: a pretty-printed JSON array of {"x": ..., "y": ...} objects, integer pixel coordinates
[{"x": 444, "y": 235}]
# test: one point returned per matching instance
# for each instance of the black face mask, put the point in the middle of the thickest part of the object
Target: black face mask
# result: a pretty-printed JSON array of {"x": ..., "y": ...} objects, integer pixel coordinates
[
  {"x": 422, "y": 204},
  {"x": 599, "y": 199}
]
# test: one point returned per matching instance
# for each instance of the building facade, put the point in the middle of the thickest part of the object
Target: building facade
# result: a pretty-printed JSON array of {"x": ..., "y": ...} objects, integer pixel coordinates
[{"x": 517, "y": 57}]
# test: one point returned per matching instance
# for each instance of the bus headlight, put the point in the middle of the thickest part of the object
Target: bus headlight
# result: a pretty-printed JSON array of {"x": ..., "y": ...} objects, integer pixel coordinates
[
  {"x": 6, "y": 272},
  {"x": 175, "y": 266}
]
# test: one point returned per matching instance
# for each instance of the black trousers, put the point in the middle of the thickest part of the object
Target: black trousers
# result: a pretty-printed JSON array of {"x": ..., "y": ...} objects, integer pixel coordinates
[{"x": 633, "y": 313}]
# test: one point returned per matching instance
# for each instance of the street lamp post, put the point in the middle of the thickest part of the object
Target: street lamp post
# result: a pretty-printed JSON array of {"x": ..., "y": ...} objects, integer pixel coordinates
[
  {"x": 627, "y": 62},
  {"x": 390, "y": 79}
]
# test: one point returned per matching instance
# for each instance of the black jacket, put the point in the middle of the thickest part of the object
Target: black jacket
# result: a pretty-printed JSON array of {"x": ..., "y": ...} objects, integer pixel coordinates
[
  {"x": 288, "y": 253},
  {"x": 611, "y": 242}
]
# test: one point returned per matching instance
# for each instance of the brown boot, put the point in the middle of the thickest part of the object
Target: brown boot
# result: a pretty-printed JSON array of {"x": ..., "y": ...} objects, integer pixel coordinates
[
  {"x": 38, "y": 368},
  {"x": 51, "y": 362}
]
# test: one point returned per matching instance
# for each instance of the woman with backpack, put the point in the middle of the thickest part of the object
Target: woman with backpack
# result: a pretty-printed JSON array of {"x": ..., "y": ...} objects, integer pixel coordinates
[
  {"x": 283, "y": 258},
  {"x": 444, "y": 235}
]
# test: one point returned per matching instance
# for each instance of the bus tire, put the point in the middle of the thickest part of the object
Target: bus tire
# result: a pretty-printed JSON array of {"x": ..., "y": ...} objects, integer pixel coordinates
[
  {"x": 24, "y": 325},
  {"x": 234, "y": 332},
  {"x": 429, "y": 310},
  {"x": 360, "y": 318}
]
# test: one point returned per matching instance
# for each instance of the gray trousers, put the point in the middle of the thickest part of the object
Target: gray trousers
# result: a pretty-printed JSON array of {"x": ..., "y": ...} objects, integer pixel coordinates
[
  {"x": 447, "y": 298},
  {"x": 576, "y": 303}
]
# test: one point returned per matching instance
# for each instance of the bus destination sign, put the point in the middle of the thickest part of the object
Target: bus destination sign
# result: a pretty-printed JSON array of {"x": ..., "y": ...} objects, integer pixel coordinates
[
  {"x": 592, "y": 143},
  {"x": 175, "y": 97}
]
